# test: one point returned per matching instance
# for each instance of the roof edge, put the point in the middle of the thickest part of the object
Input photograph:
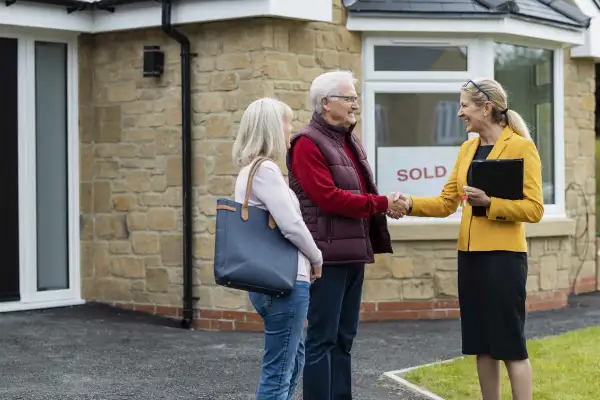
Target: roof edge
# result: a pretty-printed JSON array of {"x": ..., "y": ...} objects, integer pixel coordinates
[
  {"x": 503, "y": 6},
  {"x": 570, "y": 11}
]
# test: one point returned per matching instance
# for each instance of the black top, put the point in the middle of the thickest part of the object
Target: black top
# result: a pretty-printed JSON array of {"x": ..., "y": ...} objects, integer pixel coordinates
[{"x": 481, "y": 154}]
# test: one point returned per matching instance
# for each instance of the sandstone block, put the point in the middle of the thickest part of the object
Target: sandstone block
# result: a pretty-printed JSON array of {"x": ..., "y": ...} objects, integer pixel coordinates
[
  {"x": 548, "y": 272},
  {"x": 138, "y": 181},
  {"x": 124, "y": 202},
  {"x": 145, "y": 242},
  {"x": 174, "y": 171},
  {"x": 221, "y": 185},
  {"x": 87, "y": 259},
  {"x": 232, "y": 61},
  {"x": 136, "y": 221},
  {"x": 171, "y": 249},
  {"x": 446, "y": 283},
  {"x": 302, "y": 41},
  {"x": 533, "y": 284},
  {"x": 114, "y": 290},
  {"x": 121, "y": 92},
  {"x": 418, "y": 289},
  {"x": 204, "y": 247},
  {"x": 101, "y": 260},
  {"x": 162, "y": 219},
  {"x": 157, "y": 280},
  {"x": 223, "y": 81},
  {"x": 111, "y": 227},
  {"x": 382, "y": 290},
  {"x": 108, "y": 124},
  {"x": 127, "y": 267},
  {"x": 104, "y": 169},
  {"x": 199, "y": 171},
  {"x": 119, "y": 247},
  {"x": 86, "y": 197},
  {"x": 402, "y": 267},
  {"x": 380, "y": 269}
]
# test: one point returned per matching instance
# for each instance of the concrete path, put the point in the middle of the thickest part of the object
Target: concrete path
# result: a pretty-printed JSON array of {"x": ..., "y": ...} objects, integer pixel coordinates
[{"x": 94, "y": 352}]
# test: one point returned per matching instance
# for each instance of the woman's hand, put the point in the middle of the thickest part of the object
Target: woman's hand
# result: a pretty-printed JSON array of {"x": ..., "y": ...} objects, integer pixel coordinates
[
  {"x": 316, "y": 271},
  {"x": 477, "y": 197}
]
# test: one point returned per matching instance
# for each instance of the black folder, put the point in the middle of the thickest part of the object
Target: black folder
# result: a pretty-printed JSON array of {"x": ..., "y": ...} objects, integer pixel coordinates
[{"x": 502, "y": 178}]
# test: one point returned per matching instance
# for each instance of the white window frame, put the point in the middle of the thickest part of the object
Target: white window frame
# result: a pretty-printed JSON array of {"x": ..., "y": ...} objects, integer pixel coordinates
[
  {"x": 31, "y": 298},
  {"x": 480, "y": 62}
]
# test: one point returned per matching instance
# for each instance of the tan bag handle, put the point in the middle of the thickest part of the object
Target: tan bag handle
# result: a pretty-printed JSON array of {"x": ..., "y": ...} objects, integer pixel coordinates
[{"x": 251, "y": 174}]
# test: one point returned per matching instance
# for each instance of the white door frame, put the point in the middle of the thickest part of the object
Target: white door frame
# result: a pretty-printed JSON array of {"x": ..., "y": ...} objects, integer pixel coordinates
[{"x": 30, "y": 297}]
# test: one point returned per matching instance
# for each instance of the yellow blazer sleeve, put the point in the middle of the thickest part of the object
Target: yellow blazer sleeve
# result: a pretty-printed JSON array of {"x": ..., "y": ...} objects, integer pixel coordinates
[
  {"x": 443, "y": 205},
  {"x": 531, "y": 208}
]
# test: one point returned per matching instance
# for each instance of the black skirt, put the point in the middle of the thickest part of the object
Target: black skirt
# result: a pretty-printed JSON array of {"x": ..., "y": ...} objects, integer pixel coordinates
[{"x": 492, "y": 294}]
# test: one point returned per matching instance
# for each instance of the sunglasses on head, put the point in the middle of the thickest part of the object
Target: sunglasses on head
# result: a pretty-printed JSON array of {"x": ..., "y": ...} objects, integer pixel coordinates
[{"x": 478, "y": 88}]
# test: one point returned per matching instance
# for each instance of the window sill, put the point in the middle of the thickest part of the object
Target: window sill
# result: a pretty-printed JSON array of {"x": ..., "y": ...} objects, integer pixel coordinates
[{"x": 447, "y": 229}]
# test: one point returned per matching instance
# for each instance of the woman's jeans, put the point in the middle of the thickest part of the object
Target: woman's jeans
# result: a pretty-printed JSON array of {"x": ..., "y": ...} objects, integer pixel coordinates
[{"x": 283, "y": 358}]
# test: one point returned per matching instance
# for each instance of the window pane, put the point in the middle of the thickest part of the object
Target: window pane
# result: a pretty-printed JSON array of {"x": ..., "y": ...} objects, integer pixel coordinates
[
  {"x": 51, "y": 165},
  {"x": 418, "y": 119},
  {"x": 527, "y": 75},
  {"x": 412, "y": 58},
  {"x": 417, "y": 136}
]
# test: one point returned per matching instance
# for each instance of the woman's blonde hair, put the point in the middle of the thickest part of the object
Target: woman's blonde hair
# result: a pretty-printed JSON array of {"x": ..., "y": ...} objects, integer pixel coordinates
[
  {"x": 261, "y": 132},
  {"x": 484, "y": 90}
]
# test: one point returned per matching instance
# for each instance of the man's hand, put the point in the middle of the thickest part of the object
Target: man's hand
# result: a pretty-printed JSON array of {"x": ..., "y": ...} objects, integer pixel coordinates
[
  {"x": 397, "y": 205},
  {"x": 316, "y": 271},
  {"x": 477, "y": 197}
]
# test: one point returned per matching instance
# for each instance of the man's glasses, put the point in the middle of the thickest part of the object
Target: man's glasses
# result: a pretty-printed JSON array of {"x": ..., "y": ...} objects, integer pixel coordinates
[
  {"x": 478, "y": 88},
  {"x": 348, "y": 99}
]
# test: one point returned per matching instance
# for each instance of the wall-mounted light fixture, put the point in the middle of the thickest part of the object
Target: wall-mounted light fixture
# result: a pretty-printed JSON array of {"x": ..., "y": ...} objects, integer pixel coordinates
[{"x": 154, "y": 61}]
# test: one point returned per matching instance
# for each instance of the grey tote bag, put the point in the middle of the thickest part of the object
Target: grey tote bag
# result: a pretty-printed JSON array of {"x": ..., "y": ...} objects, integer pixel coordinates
[{"x": 251, "y": 253}]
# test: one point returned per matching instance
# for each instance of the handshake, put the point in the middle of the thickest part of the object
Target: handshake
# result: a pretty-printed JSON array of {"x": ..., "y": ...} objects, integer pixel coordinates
[{"x": 398, "y": 205}]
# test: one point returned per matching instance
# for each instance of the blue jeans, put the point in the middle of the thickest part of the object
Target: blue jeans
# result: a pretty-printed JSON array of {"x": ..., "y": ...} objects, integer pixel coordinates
[{"x": 283, "y": 358}]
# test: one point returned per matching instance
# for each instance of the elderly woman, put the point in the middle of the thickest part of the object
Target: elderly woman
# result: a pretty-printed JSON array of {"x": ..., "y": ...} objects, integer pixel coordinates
[
  {"x": 492, "y": 248},
  {"x": 264, "y": 132}
]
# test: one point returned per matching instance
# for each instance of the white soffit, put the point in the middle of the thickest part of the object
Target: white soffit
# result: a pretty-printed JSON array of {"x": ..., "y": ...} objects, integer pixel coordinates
[
  {"x": 502, "y": 26},
  {"x": 33, "y": 15},
  {"x": 591, "y": 46},
  {"x": 148, "y": 14}
]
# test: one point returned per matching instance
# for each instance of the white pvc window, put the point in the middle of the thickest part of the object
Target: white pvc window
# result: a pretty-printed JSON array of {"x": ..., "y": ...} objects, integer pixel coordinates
[{"x": 411, "y": 131}]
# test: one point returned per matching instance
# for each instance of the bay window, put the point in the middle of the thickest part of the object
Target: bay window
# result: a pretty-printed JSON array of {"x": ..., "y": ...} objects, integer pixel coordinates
[{"x": 411, "y": 99}]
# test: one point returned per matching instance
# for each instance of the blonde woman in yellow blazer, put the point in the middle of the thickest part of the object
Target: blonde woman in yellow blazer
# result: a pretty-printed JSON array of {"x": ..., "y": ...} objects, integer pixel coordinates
[{"x": 492, "y": 249}]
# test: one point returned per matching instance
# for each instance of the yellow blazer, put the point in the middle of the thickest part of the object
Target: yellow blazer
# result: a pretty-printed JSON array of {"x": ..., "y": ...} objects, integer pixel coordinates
[{"x": 503, "y": 228}]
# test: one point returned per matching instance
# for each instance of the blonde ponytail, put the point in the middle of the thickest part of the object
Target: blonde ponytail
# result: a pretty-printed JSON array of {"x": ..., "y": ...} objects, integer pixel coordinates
[
  {"x": 484, "y": 90},
  {"x": 517, "y": 124}
]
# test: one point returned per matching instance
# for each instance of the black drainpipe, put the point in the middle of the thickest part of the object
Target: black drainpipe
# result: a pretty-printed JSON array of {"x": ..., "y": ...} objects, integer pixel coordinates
[{"x": 186, "y": 160}]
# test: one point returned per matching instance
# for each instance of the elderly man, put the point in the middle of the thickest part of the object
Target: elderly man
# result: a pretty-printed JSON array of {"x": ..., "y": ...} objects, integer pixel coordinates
[{"x": 329, "y": 172}]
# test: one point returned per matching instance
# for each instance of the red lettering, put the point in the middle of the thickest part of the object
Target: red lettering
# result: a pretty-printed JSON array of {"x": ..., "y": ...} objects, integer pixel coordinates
[
  {"x": 415, "y": 174},
  {"x": 402, "y": 175},
  {"x": 440, "y": 171}
]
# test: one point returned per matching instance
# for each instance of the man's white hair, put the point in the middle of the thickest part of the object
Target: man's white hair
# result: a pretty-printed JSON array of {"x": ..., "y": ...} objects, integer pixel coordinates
[
  {"x": 328, "y": 84},
  {"x": 261, "y": 132}
]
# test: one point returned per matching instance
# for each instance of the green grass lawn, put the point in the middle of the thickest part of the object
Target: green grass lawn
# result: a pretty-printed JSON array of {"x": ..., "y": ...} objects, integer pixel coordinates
[{"x": 565, "y": 367}]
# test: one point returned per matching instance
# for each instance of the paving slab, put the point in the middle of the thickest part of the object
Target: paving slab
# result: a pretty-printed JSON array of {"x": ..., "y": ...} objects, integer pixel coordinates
[{"x": 95, "y": 352}]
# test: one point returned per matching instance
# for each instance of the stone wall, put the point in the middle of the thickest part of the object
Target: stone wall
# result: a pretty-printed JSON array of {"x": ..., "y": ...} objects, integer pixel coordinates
[
  {"x": 131, "y": 148},
  {"x": 580, "y": 88},
  {"x": 131, "y": 172}
]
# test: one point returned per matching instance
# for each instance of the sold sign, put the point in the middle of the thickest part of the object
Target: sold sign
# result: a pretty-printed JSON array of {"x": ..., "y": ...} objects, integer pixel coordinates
[
  {"x": 418, "y": 171},
  {"x": 437, "y": 171}
]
